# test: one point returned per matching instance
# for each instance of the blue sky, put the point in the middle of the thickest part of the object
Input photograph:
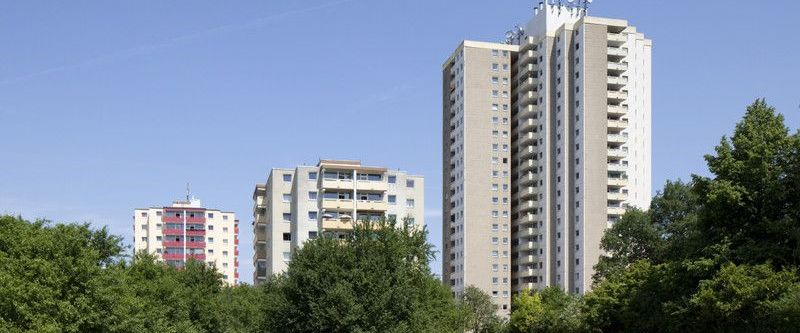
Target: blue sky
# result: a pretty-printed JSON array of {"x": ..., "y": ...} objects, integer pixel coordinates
[{"x": 108, "y": 106}]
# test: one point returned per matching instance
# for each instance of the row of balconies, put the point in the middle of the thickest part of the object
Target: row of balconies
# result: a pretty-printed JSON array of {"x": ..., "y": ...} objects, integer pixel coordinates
[
  {"x": 349, "y": 204},
  {"x": 180, "y": 232},
  {"x": 191, "y": 245},
  {"x": 361, "y": 185},
  {"x": 179, "y": 256}
]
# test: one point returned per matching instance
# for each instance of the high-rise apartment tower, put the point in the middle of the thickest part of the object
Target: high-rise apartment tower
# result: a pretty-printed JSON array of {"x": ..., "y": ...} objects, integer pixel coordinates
[
  {"x": 185, "y": 230},
  {"x": 546, "y": 143},
  {"x": 299, "y": 204}
]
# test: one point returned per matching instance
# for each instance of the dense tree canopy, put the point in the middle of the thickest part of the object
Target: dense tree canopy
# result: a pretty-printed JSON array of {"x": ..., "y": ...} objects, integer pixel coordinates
[{"x": 375, "y": 280}]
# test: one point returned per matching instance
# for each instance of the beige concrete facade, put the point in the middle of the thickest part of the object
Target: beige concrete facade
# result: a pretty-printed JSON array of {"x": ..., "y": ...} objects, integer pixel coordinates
[
  {"x": 299, "y": 204},
  {"x": 185, "y": 230},
  {"x": 578, "y": 138}
]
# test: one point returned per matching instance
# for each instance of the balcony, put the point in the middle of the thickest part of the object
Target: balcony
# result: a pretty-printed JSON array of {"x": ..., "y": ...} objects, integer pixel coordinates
[
  {"x": 261, "y": 237},
  {"x": 617, "y": 196},
  {"x": 617, "y": 110},
  {"x": 526, "y": 84},
  {"x": 371, "y": 205},
  {"x": 524, "y": 272},
  {"x": 617, "y": 153},
  {"x": 525, "y": 205},
  {"x": 617, "y": 182},
  {"x": 617, "y": 66},
  {"x": 614, "y": 210},
  {"x": 525, "y": 125},
  {"x": 195, "y": 232},
  {"x": 617, "y": 138},
  {"x": 617, "y": 96},
  {"x": 337, "y": 204},
  {"x": 526, "y": 57},
  {"x": 617, "y": 80},
  {"x": 617, "y": 167},
  {"x": 526, "y": 152},
  {"x": 527, "y": 233},
  {"x": 336, "y": 225},
  {"x": 527, "y": 219},
  {"x": 526, "y": 139},
  {"x": 527, "y": 246},
  {"x": 527, "y": 165},
  {"x": 337, "y": 184},
  {"x": 526, "y": 71},
  {"x": 527, "y": 44},
  {"x": 617, "y": 52},
  {"x": 200, "y": 257},
  {"x": 527, "y": 178},
  {"x": 616, "y": 39},
  {"x": 524, "y": 260},
  {"x": 372, "y": 185},
  {"x": 526, "y": 98},
  {"x": 618, "y": 124},
  {"x": 172, "y": 256}
]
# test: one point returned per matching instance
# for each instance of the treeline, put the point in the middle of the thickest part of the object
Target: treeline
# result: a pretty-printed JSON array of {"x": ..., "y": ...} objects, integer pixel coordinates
[
  {"x": 716, "y": 254},
  {"x": 70, "y": 278}
]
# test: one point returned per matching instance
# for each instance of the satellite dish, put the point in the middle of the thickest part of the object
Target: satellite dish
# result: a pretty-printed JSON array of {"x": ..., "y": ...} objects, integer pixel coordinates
[
  {"x": 345, "y": 217},
  {"x": 327, "y": 216}
]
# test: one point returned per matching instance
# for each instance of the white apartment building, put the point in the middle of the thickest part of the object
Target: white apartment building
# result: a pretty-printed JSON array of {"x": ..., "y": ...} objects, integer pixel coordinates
[
  {"x": 185, "y": 230},
  {"x": 299, "y": 204},
  {"x": 546, "y": 142}
]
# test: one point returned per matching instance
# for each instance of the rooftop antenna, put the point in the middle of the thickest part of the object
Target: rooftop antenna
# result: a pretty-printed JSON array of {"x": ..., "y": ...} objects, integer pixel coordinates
[{"x": 188, "y": 192}]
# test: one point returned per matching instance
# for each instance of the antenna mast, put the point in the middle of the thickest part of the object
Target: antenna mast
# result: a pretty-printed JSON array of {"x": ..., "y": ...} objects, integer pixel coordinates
[{"x": 188, "y": 192}]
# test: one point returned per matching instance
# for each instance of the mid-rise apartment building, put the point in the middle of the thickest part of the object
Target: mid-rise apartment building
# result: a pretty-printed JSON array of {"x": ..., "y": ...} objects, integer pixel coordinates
[
  {"x": 185, "y": 230},
  {"x": 299, "y": 204},
  {"x": 546, "y": 143}
]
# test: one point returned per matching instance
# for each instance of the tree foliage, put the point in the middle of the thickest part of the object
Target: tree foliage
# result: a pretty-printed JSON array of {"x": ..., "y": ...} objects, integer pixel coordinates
[{"x": 375, "y": 280}]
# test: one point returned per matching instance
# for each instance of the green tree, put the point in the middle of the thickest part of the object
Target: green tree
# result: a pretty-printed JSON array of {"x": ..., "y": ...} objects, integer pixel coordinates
[
  {"x": 752, "y": 200},
  {"x": 548, "y": 310},
  {"x": 375, "y": 280},
  {"x": 480, "y": 312},
  {"x": 51, "y": 279},
  {"x": 633, "y": 237}
]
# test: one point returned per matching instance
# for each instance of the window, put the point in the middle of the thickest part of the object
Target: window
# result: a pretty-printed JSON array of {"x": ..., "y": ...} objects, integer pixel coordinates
[
  {"x": 495, "y": 67},
  {"x": 495, "y": 107},
  {"x": 312, "y": 216},
  {"x": 144, "y": 226},
  {"x": 224, "y": 253},
  {"x": 287, "y": 197},
  {"x": 287, "y": 217},
  {"x": 495, "y": 53},
  {"x": 287, "y": 256},
  {"x": 158, "y": 213},
  {"x": 495, "y": 79},
  {"x": 224, "y": 229},
  {"x": 224, "y": 217},
  {"x": 312, "y": 195},
  {"x": 312, "y": 175},
  {"x": 287, "y": 236},
  {"x": 312, "y": 234},
  {"x": 144, "y": 214},
  {"x": 410, "y": 203},
  {"x": 210, "y": 239},
  {"x": 495, "y": 240},
  {"x": 211, "y": 215},
  {"x": 392, "y": 199},
  {"x": 505, "y": 67},
  {"x": 210, "y": 227},
  {"x": 158, "y": 238},
  {"x": 392, "y": 179},
  {"x": 410, "y": 183},
  {"x": 210, "y": 251},
  {"x": 287, "y": 177}
]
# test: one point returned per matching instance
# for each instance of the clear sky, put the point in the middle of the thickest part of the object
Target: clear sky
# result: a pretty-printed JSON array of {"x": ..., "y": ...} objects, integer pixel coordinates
[{"x": 107, "y": 106}]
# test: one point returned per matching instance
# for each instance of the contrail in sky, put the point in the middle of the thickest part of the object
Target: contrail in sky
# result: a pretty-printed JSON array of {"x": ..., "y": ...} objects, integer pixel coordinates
[{"x": 169, "y": 42}]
